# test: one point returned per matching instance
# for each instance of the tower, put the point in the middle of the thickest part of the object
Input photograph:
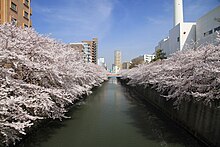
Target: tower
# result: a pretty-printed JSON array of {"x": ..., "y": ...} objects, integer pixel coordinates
[
  {"x": 178, "y": 12},
  {"x": 118, "y": 59}
]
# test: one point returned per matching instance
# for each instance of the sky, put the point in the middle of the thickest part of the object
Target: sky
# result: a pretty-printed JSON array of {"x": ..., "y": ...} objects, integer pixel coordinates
[{"x": 132, "y": 26}]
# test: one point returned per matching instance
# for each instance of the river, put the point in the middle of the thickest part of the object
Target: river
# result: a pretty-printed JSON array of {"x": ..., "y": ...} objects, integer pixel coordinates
[{"x": 111, "y": 117}]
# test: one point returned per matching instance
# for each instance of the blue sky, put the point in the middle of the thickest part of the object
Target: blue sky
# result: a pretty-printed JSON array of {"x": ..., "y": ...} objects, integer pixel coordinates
[{"x": 132, "y": 26}]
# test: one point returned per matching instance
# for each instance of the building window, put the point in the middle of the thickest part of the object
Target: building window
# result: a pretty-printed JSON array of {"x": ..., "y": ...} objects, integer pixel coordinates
[
  {"x": 13, "y": 21},
  {"x": 25, "y": 15},
  {"x": 178, "y": 39},
  {"x": 25, "y": 25},
  {"x": 13, "y": 6},
  {"x": 26, "y": 3},
  {"x": 208, "y": 33},
  {"x": 217, "y": 29}
]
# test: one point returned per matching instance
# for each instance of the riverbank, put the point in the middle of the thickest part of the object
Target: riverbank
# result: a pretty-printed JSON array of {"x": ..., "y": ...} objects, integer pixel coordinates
[
  {"x": 42, "y": 124},
  {"x": 200, "y": 120},
  {"x": 188, "y": 75},
  {"x": 111, "y": 117},
  {"x": 189, "y": 80},
  {"x": 39, "y": 79}
]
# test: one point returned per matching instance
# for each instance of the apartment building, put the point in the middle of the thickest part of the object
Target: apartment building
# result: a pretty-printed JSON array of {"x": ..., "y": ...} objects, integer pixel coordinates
[
  {"x": 17, "y": 12},
  {"x": 77, "y": 46},
  {"x": 83, "y": 48},
  {"x": 93, "y": 44}
]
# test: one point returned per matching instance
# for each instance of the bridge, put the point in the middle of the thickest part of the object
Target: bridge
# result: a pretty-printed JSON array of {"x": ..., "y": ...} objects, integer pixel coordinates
[{"x": 111, "y": 75}]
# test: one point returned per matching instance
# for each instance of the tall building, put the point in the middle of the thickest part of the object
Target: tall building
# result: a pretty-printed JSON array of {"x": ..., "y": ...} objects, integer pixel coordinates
[
  {"x": 117, "y": 58},
  {"x": 101, "y": 62},
  {"x": 83, "y": 48},
  {"x": 184, "y": 35},
  {"x": 17, "y": 12},
  {"x": 94, "y": 49}
]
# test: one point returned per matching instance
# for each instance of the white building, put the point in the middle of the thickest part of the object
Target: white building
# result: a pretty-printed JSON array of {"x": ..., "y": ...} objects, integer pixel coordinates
[
  {"x": 207, "y": 25},
  {"x": 115, "y": 69},
  {"x": 184, "y": 35},
  {"x": 163, "y": 45},
  {"x": 148, "y": 58},
  {"x": 181, "y": 37},
  {"x": 142, "y": 59},
  {"x": 101, "y": 62},
  {"x": 85, "y": 49}
]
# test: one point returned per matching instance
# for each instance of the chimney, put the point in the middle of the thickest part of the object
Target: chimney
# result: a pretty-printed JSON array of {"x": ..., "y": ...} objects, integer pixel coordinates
[{"x": 178, "y": 12}]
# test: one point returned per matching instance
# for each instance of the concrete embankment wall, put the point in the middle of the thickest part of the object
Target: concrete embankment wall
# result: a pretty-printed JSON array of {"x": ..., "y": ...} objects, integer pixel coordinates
[{"x": 200, "y": 120}]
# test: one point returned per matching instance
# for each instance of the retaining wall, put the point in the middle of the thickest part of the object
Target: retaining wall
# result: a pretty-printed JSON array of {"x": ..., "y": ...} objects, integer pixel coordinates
[{"x": 198, "y": 119}]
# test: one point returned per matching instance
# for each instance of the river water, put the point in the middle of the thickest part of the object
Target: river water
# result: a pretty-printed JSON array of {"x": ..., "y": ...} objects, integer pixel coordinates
[{"x": 111, "y": 117}]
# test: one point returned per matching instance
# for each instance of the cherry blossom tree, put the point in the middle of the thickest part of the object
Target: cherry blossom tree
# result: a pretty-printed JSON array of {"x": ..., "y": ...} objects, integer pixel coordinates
[
  {"x": 39, "y": 78},
  {"x": 189, "y": 75}
]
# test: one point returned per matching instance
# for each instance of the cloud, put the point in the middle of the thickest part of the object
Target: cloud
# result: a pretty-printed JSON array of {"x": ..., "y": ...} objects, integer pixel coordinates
[{"x": 81, "y": 17}]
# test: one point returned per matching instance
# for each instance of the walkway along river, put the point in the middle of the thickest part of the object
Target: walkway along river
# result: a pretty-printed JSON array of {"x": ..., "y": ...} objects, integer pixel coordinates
[{"x": 112, "y": 117}]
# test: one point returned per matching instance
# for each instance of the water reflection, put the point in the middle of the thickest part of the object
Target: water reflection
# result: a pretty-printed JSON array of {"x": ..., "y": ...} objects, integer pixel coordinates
[
  {"x": 113, "y": 81},
  {"x": 111, "y": 117},
  {"x": 155, "y": 126}
]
